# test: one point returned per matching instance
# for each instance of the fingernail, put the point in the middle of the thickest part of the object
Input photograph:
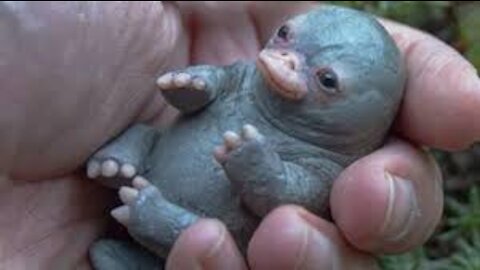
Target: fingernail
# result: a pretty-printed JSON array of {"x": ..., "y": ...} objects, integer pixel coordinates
[
  {"x": 220, "y": 239},
  {"x": 208, "y": 235},
  {"x": 219, "y": 253},
  {"x": 317, "y": 251},
  {"x": 402, "y": 209}
]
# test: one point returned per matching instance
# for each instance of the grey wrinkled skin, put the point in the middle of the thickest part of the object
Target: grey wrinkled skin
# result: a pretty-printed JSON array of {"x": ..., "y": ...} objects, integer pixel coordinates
[{"x": 301, "y": 147}]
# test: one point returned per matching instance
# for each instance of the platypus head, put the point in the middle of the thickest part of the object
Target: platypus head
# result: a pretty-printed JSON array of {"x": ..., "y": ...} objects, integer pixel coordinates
[{"x": 333, "y": 77}]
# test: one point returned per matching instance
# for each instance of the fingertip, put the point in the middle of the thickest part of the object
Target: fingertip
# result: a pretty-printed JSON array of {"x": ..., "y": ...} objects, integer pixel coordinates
[
  {"x": 439, "y": 108},
  {"x": 205, "y": 245},
  {"x": 359, "y": 205},
  {"x": 292, "y": 238},
  {"x": 390, "y": 201},
  {"x": 278, "y": 240}
]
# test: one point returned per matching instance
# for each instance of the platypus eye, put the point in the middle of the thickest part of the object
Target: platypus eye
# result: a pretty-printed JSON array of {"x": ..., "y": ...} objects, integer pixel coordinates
[
  {"x": 328, "y": 80},
  {"x": 283, "y": 32}
]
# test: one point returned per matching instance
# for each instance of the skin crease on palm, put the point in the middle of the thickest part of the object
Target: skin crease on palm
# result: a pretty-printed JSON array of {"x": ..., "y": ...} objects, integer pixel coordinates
[{"x": 57, "y": 108}]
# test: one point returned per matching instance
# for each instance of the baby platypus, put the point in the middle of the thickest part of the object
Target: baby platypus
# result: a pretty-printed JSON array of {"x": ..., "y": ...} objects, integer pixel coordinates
[{"x": 253, "y": 135}]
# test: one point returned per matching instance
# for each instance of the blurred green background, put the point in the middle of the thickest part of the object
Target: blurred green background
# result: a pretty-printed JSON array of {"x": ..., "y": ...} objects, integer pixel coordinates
[{"x": 456, "y": 243}]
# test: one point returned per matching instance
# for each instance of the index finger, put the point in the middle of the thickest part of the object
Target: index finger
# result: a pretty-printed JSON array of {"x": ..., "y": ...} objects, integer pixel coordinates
[{"x": 442, "y": 97}]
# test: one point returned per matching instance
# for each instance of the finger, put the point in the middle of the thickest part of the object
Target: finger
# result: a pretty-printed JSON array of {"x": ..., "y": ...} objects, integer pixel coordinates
[
  {"x": 220, "y": 32},
  {"x": 292, "y": 238},
  {"x": 440, "y": 107},
  {"x": 389, "y": 201},
  {"x": 206, "y": 245}
]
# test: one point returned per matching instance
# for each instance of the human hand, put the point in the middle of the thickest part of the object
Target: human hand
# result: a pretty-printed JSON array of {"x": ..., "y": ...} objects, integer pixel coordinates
[{"x": 104, "y": 80}]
